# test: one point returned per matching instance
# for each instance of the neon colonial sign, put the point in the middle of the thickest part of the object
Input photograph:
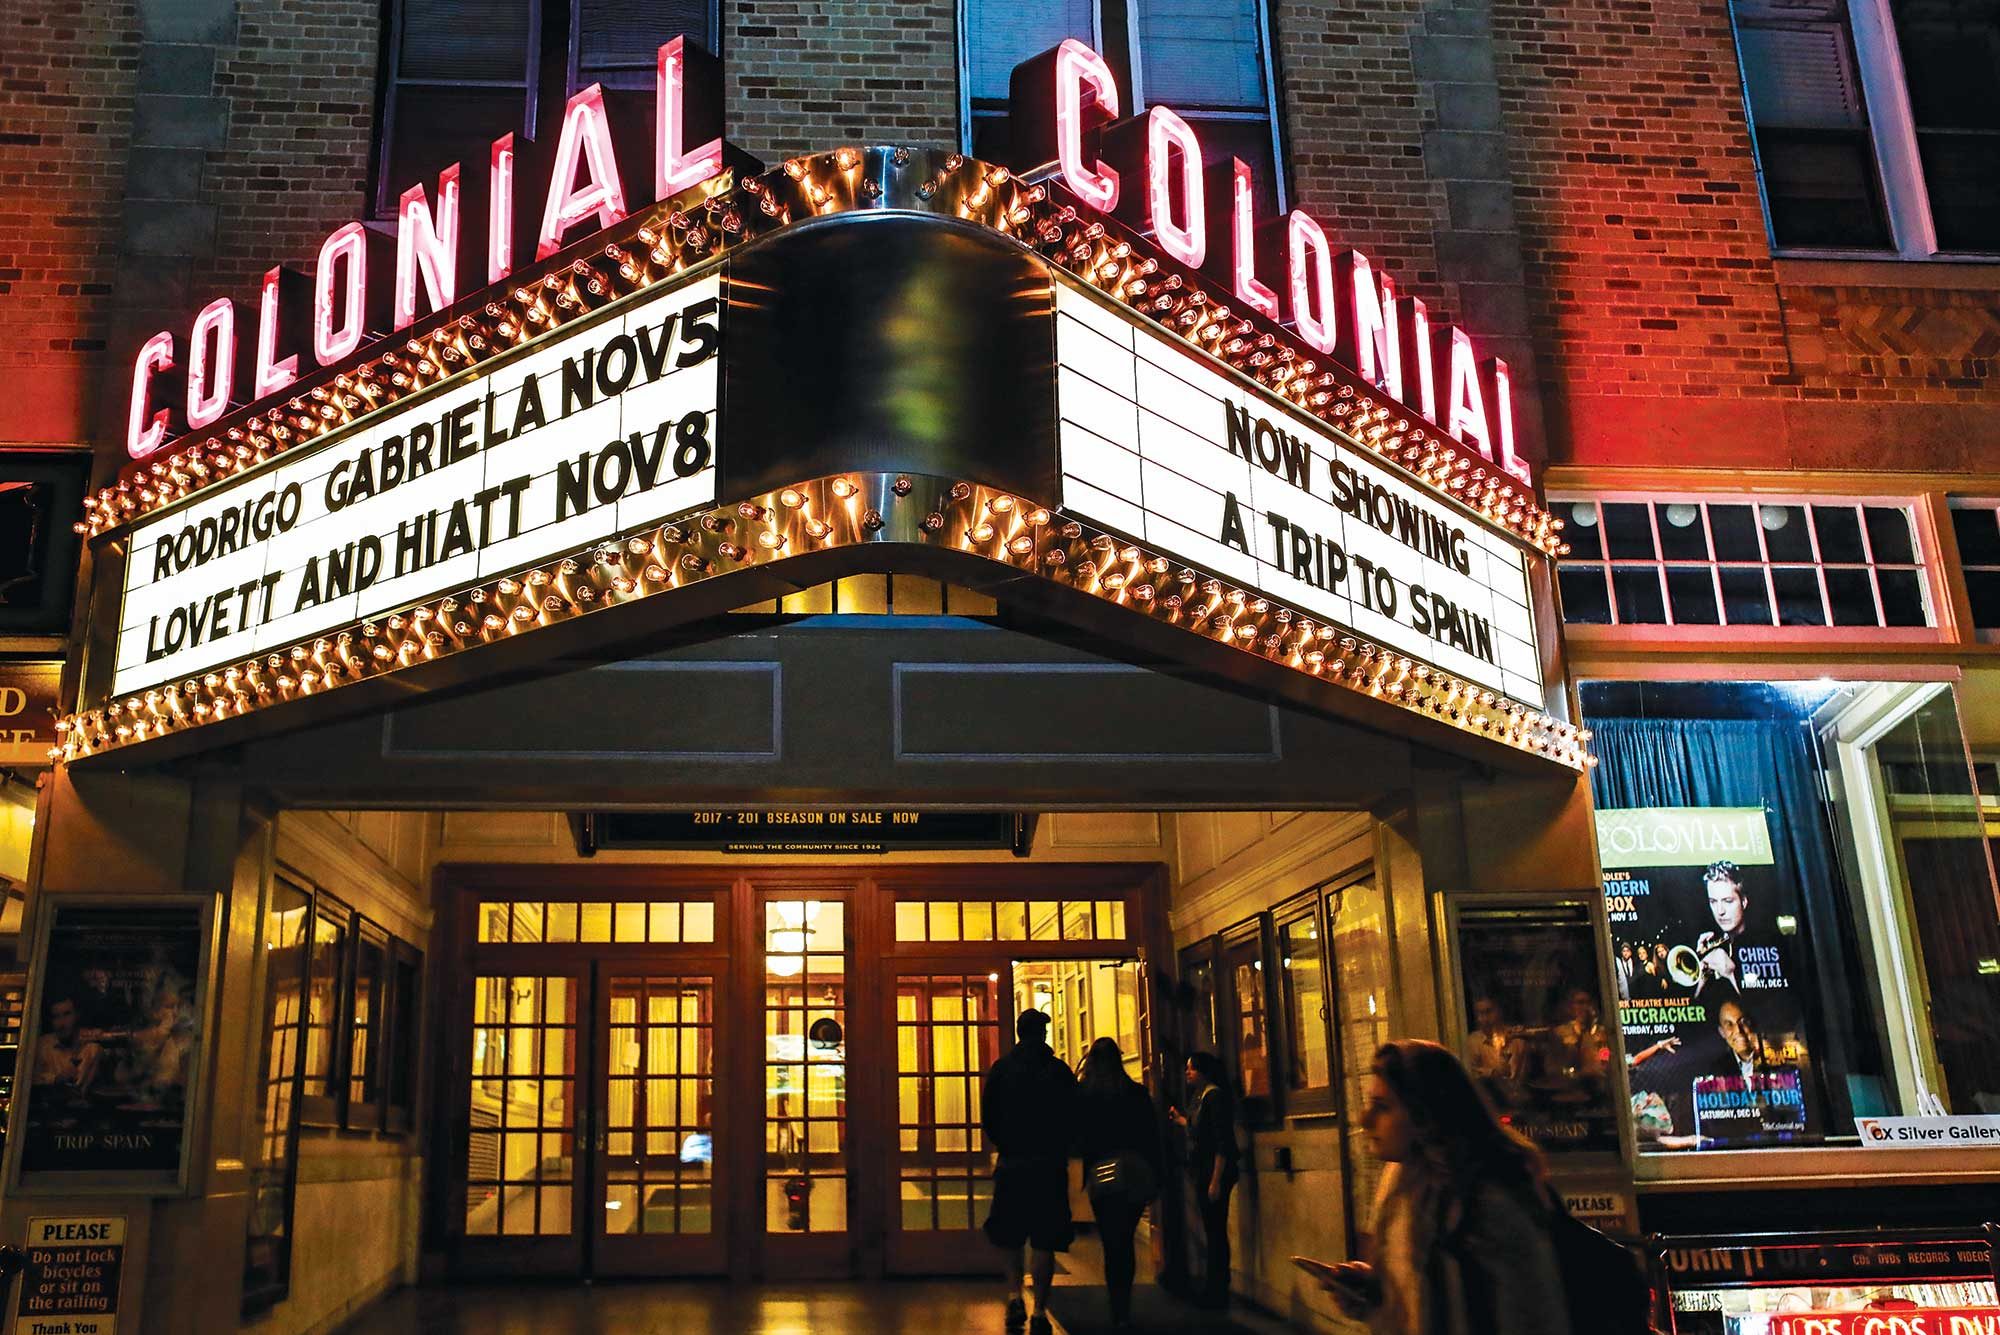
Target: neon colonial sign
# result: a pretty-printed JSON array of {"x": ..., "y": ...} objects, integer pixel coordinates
[{"x": 1146, "y": 171}]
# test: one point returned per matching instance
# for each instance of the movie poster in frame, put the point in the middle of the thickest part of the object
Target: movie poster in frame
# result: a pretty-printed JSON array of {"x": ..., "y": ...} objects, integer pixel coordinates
[{"x": 107, "y": 1098}]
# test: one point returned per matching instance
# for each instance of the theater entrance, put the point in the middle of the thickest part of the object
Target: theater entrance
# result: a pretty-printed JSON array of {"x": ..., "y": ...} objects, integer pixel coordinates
[{"x": 775, "y": 1072}]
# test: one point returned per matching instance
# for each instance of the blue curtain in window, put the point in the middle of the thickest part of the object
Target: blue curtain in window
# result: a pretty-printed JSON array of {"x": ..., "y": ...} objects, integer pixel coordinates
[{"x": 1772, "y": 763}]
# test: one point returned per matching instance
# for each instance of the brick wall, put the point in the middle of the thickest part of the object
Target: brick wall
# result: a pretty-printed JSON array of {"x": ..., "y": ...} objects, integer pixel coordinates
[
  {"x": 804, "y": 75},
  {"x": 300, "y": 81},
  {"x": 1664, "y": 330},
  {"x": 67, "y": 78}
]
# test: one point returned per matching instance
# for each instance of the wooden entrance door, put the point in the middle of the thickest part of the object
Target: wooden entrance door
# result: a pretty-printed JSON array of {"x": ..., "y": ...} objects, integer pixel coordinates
[
  {"x": 519, "y": 1163},
  {"x": 660, "y": 1140},
  {"x": 946, "y": 1018}
]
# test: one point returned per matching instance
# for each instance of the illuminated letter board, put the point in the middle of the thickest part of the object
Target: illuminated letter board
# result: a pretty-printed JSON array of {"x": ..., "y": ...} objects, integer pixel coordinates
[
  {"x": 1177, "y": 455},
  {"x": 581, "y": 439}
]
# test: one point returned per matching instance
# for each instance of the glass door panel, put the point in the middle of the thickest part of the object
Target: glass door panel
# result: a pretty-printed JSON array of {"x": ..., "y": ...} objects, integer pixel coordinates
[
  {"x": 947, "y": 1035},
  {"x": 805, "y": 1070},
  {"x": 660, "y": 1206},
  {"x": 520, "y": 1161}
]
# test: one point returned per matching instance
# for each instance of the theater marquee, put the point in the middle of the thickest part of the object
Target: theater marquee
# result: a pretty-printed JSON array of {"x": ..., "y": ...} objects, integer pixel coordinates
[{"x": 866, "y": 359}]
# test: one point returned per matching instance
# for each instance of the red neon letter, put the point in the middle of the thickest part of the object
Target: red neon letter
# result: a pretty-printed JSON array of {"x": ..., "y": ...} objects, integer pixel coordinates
[
  {"x": 211, "y": 362},
  {"x": 1251, "y": 290},
  {"x": 500, "y": 210},
  {"x": 1368, "y": 340},
  {"x": 1313, "y": 304},
  {"x": 1167, "y": 134},
  {"x": 586, "y": 137},
  {"x": 145, "y": 432},
  {"x": 333, "y": 341},
  {"x": 1464, "y": 406},
  {"x": 673, "y": 169},
  {"x": 427, "y": 244},
  {"x": 1077, "y": 65},
  {"x": 1497, "y": 382},
  {"x": 273, "y": 373},
  {"x": 1413, "y": 320}
]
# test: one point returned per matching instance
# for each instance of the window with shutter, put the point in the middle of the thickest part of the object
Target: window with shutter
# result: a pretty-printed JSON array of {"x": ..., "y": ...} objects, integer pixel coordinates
[
  {"x": 1810, "y": 119},
  {"x": 1204, "y": 58}
]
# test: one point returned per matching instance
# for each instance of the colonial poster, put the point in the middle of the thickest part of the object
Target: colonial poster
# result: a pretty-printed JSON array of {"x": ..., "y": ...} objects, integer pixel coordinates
[
  {"x": 117, "y": 1025},
  {"x": 1704, "y": 933}
]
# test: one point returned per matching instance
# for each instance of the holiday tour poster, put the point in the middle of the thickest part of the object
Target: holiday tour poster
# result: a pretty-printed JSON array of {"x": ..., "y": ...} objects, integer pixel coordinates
[{"x": 1706, "y": 953}]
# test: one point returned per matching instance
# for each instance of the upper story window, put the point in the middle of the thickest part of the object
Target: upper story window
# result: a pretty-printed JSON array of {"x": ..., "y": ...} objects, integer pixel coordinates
[
  {"x": 1207, "y": 59},
  {"x": 1976, "y": 524},
  {"x": 1951, "y": 60},
  {"x": 1874, "y": 124},
  {"x": 464, "y": 72},
  {"x": 1672, "y": 562}
]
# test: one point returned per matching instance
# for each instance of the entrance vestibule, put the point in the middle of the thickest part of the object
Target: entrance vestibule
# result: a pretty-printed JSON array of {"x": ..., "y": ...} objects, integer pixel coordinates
[{"x": 757, "y": 1072}]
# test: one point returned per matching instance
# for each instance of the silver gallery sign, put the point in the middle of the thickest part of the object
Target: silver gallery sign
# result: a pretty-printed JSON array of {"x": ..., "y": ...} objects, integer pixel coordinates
[
  {"x": 1169, "y": 451},
  {"x": 589, "y": 435}
]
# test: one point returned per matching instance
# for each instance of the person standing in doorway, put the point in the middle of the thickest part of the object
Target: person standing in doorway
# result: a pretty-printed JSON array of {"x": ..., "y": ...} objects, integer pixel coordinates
[
  {"x": 1119, "y": 1142},
  {"x": 1210, "y": 1123},
  {"x": 1462, "y": 1242},
  {"x": 1030, "y": 1117}
]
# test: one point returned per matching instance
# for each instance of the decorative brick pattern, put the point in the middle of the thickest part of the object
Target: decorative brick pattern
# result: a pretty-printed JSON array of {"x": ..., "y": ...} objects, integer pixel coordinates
[
  {"x": 1919, "y": 342},
  {"x": 804, "y": 76},
  {"x": 68, "y": 75}
]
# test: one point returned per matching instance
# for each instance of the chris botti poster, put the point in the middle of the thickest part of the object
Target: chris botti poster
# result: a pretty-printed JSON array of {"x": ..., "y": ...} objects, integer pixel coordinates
[{"x": 1704, "y": 931}]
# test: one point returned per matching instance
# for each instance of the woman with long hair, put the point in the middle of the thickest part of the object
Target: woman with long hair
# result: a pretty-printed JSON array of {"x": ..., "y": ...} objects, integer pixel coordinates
[
  {"x": 1118, "y": 1138},
  {"x": 1211, "y": 1160},
  {"x": 1461, "y": 1242}
]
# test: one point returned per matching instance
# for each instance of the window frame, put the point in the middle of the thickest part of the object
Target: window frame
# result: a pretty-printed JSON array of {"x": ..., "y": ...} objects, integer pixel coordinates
[
  {"x": 259, "y": 1300},
  {"x": 1892, "y": 133},
  {"x": 325, "y": 1111},
  {"x": 1305, "y": 1100},
  {"x": 1990, "y": 507},
  {"x": 1929, "y": 566},
  {"x": 368, "y": 1112},
  {"x": 66, "y": 473},
  {"x": 539, "y": 87},
  {"x": 1115, "y": 35},
  {"x": 1775, "y": 1165},
  {"x": 1251, "y": 939},
  {"x": 404, "y": 1031}
]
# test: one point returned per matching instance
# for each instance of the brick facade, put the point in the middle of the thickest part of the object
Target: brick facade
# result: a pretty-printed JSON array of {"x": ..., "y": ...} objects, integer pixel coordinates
[
  {"x": 804, "y": 76},
  {"x": 1574, "y": 183},
  {"x": 68, "y": 75},
  {"x": 1665, "y": 332}
]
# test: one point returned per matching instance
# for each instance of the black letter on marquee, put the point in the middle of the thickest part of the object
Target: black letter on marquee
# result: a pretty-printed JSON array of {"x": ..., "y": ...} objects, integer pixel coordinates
[{"x": 1232, "y": 524}]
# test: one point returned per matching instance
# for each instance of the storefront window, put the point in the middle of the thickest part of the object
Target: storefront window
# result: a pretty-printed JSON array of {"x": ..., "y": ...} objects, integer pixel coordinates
[{"x": 1799, "y": 907}]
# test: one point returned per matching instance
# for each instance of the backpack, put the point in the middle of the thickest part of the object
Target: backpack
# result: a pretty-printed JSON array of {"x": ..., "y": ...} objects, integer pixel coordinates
[{"x": 1606, "y": 1286}]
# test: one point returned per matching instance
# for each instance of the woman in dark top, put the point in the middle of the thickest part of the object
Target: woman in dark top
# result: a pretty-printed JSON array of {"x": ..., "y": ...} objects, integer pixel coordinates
[
  {"x": 1211, "y": 1151},
  {"x": 1117, "y": 1134}
]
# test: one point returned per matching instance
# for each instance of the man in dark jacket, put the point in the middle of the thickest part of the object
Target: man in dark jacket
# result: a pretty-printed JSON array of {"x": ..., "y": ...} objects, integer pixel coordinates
[{"x": 1030, "y": 1109}]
